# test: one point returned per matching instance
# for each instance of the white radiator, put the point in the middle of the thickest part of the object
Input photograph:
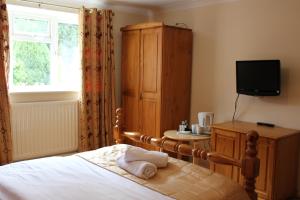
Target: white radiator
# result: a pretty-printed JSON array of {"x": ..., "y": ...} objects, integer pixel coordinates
[{"x": 44, "y": 128}]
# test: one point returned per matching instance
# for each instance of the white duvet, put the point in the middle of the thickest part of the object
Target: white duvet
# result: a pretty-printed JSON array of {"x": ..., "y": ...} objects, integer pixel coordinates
[{"x": 67, "y": 178}]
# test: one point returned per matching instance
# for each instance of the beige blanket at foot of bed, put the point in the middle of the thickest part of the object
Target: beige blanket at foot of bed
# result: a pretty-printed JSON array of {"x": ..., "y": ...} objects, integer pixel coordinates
[{"x": 180, "y": 180}]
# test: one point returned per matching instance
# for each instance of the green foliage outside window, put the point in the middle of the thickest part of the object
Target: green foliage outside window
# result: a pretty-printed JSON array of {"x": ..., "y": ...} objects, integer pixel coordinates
[
  {"x": 67, "y": 36},
  {"x": 32, "y": 59},
  {"x": 67, "y": 50},
  {"x": 32, "y": 63}
]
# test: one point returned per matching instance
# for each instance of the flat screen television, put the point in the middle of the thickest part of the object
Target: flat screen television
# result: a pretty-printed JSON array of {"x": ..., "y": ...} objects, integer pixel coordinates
[{"x": 258, "y": 77}]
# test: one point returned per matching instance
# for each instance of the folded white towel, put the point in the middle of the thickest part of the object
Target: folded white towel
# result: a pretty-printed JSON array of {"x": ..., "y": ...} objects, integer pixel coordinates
[
  {"x": 140, "y": 169},
  {"x": 160, "y": 159}
]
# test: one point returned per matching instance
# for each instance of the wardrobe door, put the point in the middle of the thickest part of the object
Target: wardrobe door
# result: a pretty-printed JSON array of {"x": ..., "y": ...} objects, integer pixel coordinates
[
  {"x": 150, "y": 81},
  {"x": 130, "y": 79}
]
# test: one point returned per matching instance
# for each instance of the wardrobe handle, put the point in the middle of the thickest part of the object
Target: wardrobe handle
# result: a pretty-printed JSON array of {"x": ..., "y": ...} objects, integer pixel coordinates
[{"x": 141, "y": 96}]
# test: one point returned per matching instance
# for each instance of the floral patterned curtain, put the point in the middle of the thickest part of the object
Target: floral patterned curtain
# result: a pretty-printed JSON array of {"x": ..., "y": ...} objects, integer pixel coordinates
[
  {"x": 98, "y": 79},
  {"x": 5, "y": 130}
]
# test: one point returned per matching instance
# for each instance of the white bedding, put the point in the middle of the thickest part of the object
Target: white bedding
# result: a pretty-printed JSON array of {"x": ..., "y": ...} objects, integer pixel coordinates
[{"x": 67, "y": 178}]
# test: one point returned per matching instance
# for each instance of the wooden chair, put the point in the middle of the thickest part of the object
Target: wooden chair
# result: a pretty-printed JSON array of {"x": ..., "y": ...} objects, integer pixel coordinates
[{"x": 249, "y": 164}]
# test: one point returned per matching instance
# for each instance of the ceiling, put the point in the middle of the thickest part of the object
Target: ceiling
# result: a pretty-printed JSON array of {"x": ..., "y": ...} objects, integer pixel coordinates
[
  {"x": 139, "y": 6},
  {"x": 155, "y": 3}
]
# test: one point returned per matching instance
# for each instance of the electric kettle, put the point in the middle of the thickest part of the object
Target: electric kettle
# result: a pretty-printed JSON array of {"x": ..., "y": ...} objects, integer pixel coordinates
[{"x": 205, "y": 121}]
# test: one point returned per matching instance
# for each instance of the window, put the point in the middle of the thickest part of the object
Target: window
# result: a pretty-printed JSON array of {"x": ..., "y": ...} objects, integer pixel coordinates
[{"x": 44, "y": 50}]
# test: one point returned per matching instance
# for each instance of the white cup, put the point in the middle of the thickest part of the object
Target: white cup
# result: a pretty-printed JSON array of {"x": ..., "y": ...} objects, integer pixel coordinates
[{"x": 181, "y": 128}]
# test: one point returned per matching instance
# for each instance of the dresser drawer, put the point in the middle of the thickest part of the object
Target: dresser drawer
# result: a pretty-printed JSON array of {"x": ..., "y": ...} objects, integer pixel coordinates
[
  {"x": 226, "y": 143},
  {"x": 265, "y": 149}
]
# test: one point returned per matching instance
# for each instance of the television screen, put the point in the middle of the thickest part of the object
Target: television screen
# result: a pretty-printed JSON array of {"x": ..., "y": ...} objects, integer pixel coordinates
[{"x": 258, "y": 77}]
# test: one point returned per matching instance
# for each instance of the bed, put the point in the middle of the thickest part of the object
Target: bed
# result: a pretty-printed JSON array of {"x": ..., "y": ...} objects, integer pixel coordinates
[{"x": 95, "y": 175}]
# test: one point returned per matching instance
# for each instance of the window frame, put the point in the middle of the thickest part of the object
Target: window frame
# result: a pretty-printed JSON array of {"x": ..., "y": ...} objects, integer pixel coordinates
[
  {"x": 53, "y": 18},
  {"x": 30, "y": 17}
]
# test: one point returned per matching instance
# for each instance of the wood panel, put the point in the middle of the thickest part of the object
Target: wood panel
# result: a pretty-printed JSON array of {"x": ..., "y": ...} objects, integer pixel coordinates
[
  {"x": 150, "y": 25},
  {"x": 287, "y": 155},
  {"x": 131, "y": 113},
  {"x": 150, "y": 81},
  {"x": 148, "y": 116},
  {"x": 176, "y": 73},
  {"x": 149, "y": 120},
  {"x": 227, "y": 143},
  {"x": 278, "y": 151},
  {"x": 264, "y": 131},
  {"x": 130, "y": 78},
  {"x": 150, "y": 65},
  {"x": 140, "y": 26},
  {"x": 266, "y": 155}
]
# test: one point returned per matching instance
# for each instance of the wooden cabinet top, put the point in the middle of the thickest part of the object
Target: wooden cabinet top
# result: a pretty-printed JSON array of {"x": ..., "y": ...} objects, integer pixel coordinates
[
  {"x": 150, "y": 25},
  {"x": 263, "y": 131}
]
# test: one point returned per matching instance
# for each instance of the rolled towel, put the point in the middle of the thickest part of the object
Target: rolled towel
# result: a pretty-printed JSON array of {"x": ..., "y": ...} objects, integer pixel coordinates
[
  {"x": 141, "y": 169},
  {"x": 160, "y": 159}
]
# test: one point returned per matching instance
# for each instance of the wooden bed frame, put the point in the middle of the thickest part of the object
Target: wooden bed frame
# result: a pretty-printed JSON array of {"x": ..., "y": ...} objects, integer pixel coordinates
[{"x": 249, "y": 164}]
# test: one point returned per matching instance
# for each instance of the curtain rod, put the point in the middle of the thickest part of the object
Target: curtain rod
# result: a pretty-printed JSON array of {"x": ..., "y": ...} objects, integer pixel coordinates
[{"x": 49, "y": 4}]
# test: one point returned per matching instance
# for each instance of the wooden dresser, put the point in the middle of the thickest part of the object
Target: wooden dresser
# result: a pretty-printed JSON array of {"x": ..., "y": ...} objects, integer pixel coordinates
[
  {"x": 156, "y": 77},
  {"x": 277, "y": 150}
]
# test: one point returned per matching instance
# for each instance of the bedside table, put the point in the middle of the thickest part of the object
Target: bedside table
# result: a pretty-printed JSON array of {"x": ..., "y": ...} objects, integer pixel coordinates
[{"x": 195, "y": 140}]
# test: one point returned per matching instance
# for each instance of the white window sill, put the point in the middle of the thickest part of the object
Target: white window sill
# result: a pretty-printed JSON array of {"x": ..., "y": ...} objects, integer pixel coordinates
[
  {"x": 40, "y": 91},
  {"x": 42, "y": 96}
]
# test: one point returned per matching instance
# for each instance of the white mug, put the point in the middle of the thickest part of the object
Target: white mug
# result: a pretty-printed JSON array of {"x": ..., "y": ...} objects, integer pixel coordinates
[{"x": 181, "y": 128}]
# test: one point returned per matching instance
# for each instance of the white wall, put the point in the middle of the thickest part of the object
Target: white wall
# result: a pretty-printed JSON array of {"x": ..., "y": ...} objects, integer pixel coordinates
[{"x": 242, "y": 30}]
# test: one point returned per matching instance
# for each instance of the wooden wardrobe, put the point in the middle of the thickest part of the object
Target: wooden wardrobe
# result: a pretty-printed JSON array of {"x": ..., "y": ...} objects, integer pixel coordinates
[{"x": 156, "y": 77}]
